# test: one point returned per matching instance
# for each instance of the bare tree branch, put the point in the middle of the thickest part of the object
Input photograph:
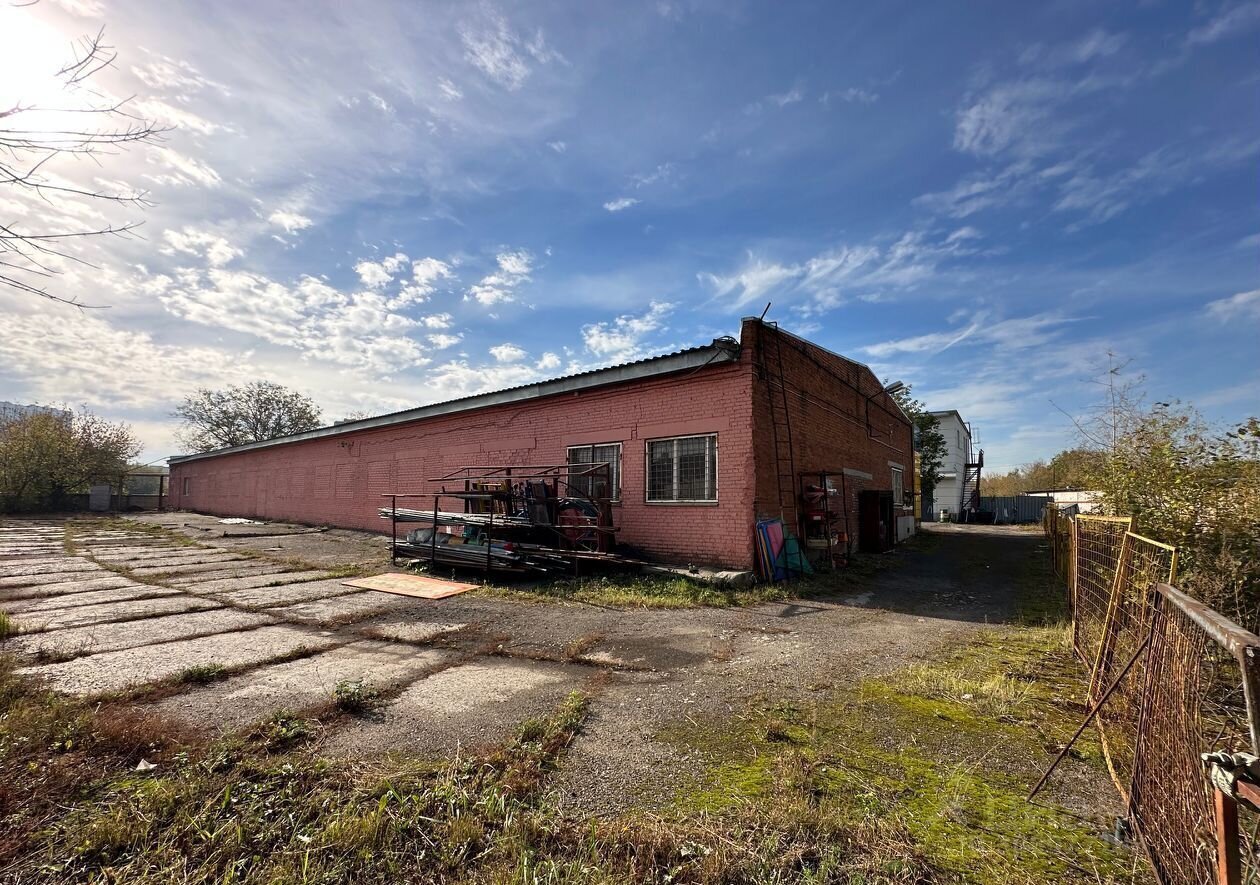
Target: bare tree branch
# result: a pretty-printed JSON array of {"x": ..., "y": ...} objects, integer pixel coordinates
[{"x": 28, "y": 153}]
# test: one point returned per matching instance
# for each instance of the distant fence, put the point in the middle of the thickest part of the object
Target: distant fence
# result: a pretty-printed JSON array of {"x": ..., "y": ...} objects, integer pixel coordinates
[
  {"x": 1174, "y": 679},
  {"x": 1014, "y": 508}
]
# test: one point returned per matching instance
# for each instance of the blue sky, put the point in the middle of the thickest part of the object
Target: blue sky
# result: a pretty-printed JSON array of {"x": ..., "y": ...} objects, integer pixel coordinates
[{"x": 384, "y": 204}]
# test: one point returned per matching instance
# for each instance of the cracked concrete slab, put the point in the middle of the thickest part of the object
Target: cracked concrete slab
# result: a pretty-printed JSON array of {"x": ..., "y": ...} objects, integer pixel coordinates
[
  {"x": 118, "y": 670},
  {"x": 66, "y": 588},
  {"x": 229, "y": 585},
  {"x": 286, "y": 594},
  {"x": 165, "y": 555},
  {"x": 29, "y": 607},
  {"x": 471, "y": 704},
  {"x": 294, "y": 685},
  {"x": 345, "y": 609},
  {"x": 190, "y": 579},
  {"x": 413, "y": 631},
  {"x": 97, "y": 638},
  {"x": 177, "y": 568},
  {"x": 112, "y": 611},
  {"x": 60, "y": 565},
  {"x": 51, "y": 578}
]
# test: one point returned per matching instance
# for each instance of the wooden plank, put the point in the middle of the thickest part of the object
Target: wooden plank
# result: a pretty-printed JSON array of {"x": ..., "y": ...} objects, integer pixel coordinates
[{"x": 411, "y": 585}]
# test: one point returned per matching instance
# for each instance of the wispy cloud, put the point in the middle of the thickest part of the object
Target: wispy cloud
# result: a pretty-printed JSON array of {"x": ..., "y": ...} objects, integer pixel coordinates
[
  {"x": 499, "y": 52},
  {"x": 1232, "y": 21},
  {"x": 1008, "y": 335},
  {"x": 857, "y": 270},
  {"x": 291, "y": 222},
  {"x": 620, "y": 204},
  {"x": 1242, "y": 306}
]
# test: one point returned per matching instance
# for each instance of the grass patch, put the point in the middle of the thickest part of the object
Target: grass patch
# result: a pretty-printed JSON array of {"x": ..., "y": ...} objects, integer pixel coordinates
[
  {"x": 201, "y": 674},
  {"x": 943, "y": 753},
  {"x": 7, "y": 627},
  {"x": 635, "y": 591},
  {"x": 267, "y": 808},
  {"x": 355, "y": 696}
]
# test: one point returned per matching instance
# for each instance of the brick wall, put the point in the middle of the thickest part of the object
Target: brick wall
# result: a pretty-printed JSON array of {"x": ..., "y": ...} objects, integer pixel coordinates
[
  {"x": 829, "y": 422},
  {"x": 339, "y": 480}
]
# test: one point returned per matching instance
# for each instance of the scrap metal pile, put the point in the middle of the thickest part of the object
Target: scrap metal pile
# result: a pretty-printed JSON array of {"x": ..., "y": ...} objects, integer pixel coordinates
[{"x": 543, "y": 520}]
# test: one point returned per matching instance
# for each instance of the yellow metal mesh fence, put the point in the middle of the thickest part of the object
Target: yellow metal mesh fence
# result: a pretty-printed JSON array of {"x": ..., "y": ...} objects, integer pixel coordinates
[
  {"x": 1098, "y": 540},
  {"x": 1126, "y": 628},
  {"x": 1179, "y": 671}
]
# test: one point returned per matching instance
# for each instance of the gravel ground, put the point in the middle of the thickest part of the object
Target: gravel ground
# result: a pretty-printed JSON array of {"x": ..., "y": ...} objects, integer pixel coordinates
[{"x": 467, "y": 669}]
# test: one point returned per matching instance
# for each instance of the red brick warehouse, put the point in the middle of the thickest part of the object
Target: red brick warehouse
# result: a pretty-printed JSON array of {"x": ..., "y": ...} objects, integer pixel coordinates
[{"x": 715, "y": 409}]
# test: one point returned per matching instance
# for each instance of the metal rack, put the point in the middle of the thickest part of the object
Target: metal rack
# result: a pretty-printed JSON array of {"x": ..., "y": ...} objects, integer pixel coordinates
[
  {"x": 828, "y": 524},
  {"x": 512, "y": 518}
]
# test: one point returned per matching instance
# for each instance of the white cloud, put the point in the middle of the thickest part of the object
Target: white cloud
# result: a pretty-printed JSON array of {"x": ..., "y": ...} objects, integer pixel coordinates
[
  {"x": 622, "y": 339},
  {"x": 169, "y": 116},
  {"x": 620, "y": 203},
  {"x": 1242, "y": 306},
  {"x": 495, "y": 49},
  {"x": 1233, "y": 21},
  {"x": 1010, "y": 116},
  {"x": 183, "y": 170},
  {"x": 548, "y": 362},
  {"x": 450, "y": 91},
  {"x": 357, "y": 329},
  {"x": 82, "y": 358},
  {"x": 426, "y": 273},
  {"x": 508, "y": 353},
  {"x": 500, "y": 286},
  {"x": 437, "y": 321},
  {"x": 1001, "y": 335},
  {"x": 442, "y": 340},
  {"x": 215, "y": 249},
  {"x": 663, "y": 172},
  {"x": 378, "y": 274},
  {"x": 792, "y": 96},
  {"x": 852, "y": 95},
  {"x": 558, "y": 146},
  {"x": 291, "y": 222},
  {"x": 168, "y": 74},
  {"x": 750, "y": 283}
]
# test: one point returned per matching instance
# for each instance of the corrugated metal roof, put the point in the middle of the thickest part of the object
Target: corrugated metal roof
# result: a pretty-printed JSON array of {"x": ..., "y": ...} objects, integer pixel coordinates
[{"x": 721, "y": 350}]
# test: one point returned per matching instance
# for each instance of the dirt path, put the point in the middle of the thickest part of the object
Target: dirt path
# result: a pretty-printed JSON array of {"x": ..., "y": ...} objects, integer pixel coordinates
[{"x": 126, "y": 607}]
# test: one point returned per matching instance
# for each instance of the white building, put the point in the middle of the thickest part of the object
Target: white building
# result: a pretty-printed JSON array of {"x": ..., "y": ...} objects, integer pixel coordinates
[{"x": 952, "y": 490}]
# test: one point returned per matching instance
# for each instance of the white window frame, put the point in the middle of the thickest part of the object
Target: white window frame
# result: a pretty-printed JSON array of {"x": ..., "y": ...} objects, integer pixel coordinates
[
  {"x": 712, "y": 482},
  {"x": 616, "y": 477},
  {"x": 898, "y": 486}
]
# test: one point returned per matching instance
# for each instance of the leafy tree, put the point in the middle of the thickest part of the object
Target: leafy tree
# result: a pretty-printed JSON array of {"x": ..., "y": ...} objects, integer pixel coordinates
[
  {"x": 1185, "y": 482},
  {"x": 45, "y": 457},
  {"x": 929, "y": 442},
  {"x": 234, "y": 416},
  {"x": 1070, "y": 469}
]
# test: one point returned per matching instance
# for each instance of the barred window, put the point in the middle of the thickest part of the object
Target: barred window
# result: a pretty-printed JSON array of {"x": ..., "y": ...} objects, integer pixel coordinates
[
  {"x": 594, "y": 485},
  {"x": 682, "y": 469}
]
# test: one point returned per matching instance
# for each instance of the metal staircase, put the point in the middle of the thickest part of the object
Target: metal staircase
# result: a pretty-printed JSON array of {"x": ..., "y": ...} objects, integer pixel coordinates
[{"x": 971, "y": 484}]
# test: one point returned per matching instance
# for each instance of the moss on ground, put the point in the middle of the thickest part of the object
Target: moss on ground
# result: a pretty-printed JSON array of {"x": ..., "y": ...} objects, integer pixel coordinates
[{"x": 945, "y": 751}]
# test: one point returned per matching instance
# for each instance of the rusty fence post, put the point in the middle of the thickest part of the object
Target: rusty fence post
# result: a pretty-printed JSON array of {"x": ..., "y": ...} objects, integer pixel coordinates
[{"x": 1228, "y": 862}]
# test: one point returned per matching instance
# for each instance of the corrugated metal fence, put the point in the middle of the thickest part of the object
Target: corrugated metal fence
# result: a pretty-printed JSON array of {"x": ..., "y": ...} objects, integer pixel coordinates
[{"x": 1014, "y": 508}]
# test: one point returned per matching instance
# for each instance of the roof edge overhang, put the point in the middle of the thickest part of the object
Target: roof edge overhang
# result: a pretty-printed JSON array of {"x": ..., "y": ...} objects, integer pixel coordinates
[{"x": 694, "y": 359}]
